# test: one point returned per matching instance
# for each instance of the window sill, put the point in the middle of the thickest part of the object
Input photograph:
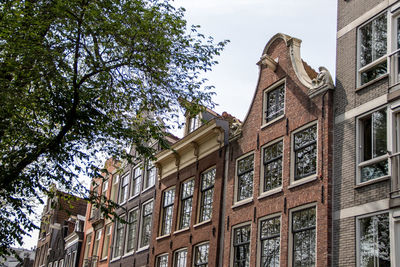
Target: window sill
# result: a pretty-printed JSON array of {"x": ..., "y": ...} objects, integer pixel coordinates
[
  {"x": 359, "y": 88},
  {"x": 128, "y": 254},
  {"x": 134, "y": 196},
  {"x": 147, "y": 189},
  {"x": 122, "y": 203},
  {"x": 272, "y": 122},
  {"x": 270, "y": 192},
  {"x": 103, "y": 259},
  {"x": 242, "y": 202},
  {"x": 304, "y": 180},
  {"x": 162, "y": 237},
  {"x": 373, "y": 181},
  {"x": 115, "y": 259},
  {"x": 201, "y": 223},
  {"x": 142, "y": 249},
  {"x": 181, "y": 230}
]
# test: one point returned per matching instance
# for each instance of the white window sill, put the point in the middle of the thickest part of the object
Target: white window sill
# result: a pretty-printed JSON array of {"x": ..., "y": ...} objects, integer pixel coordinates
[
  {"x": 304, "y": 180},
  {"x": 360, "y": 87},
  {"x": 181, "y": 230},
  {"x": 142, "y": 249},
  {"x": 372, "y": 181},
  {"x": 122, "y": 203},
  {"x": 163, "y": 236},
  {"x": 273, "y": 121},
  {"x": 147, "y": 189},
  {"x": 242, "y": 202},
  {"x": 134, "y": 196},
  {"x": 103, "y": 259},
  {"x": 270, "y": 192},
  {"x": 202, "y": 223},
  {"x": 128, "y": 254},
  {"x": 115, "y": 259}
]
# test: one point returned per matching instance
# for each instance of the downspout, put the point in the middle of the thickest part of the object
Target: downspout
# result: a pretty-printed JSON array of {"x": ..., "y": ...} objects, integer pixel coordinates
[{"x": 222, "y": 207}]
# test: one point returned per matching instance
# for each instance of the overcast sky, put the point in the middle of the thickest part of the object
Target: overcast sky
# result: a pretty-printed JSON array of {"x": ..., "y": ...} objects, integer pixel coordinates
[{"x": 249, "y": 24}]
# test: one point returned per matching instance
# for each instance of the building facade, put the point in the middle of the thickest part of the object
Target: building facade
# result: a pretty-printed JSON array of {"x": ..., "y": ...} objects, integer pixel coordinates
[
  {"x": 366, "y": 210},
  {"x": 188, "y": 209},
  {"x": 278, "y": 182},
  {"x": 56, "y": 224}
]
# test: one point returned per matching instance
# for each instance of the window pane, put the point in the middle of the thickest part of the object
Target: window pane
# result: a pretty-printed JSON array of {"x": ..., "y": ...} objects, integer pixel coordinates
[
  {"x": 186, "y": 204},
  {"x": 273, "y": 166},
  {"x": 168, "y": 205},
  {"x": 245, "y": 178},
  {"x": 275, "y": 103},
  {"x": 146, "y": 224},
  {"x": 180, "y": 258},
  {"x": 207, "y": 192},
  {"x": 162, "y": 261},
  {"x": 201, "y": 255},
  {"x": 303, "y": 229},
  {"x": 305, "y": 149},
  {"x": 241, "y": 246},
  {"x": 131, "y": 234}
]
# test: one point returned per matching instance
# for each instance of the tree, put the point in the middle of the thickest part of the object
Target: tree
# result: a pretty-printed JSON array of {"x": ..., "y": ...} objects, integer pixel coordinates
[{"x": 78, "y": 79}]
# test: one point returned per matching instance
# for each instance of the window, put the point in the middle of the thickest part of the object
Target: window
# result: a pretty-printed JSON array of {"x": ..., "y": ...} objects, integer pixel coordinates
[
  {"x": 105, "y": 188},
  {"x": 106, "y": 241},
  {"x": 136, "y": 181},
  {"x": 201, "y": 255},
  {"x": 119, "y": 237},
  {"x": 372, "y": 49},
  {"x": 96, "y": 242},
  {"x": 50, "y": 264},
  {"x": 206, "y": 194},
  {"x": 245, "y": 177},
  {"x": 131, "y": 233},
  {"x": 88, "y": 243},
  {"x": 150, "y": 175},
  {"x": 94, "y": 193},
  {"x": 303, "y": 237},
  {"x": 373, "y": 161},
  {"x": 274, "y": 102},
  {"x": 167, "y": 212},
  {"x": 241, "y": 246},
  {"x": 194, "y": 123},
  {"x": 272, "y": 159},
  {"x": 162, "y": 260},
  {"x": 180, "y": 258},
  {"x": 114, "y": 188},
  {"x": 61, "y": 263},
  {"x": 186, "y": 203},
  {"x": 373, "y": 241},
  {"x": 305, "y": 152},
  {"x": 123, "y": 196},
  {"x": 146, "y": 224},
  {"x": 55, "y": 264},
  {"x": 270, "y": 241}
]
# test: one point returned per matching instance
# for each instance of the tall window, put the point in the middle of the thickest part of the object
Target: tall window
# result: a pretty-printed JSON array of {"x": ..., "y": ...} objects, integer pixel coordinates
[
  {"x": 273, "y": 166},
  {"x": 241, "y": 246},
  {"x": 150, "y": 175},
  {"x": 118, "y": 240},
  {"x": 106, "y": 242},
  {"x": 206, "y": 194},
  {"x": 131, "y": 233},
  {"x": 105, "y": 188},
  {"x": 145, "y": 232},
  {"x": 186, "y": 204},
  {"x": 303, "y": 234},
  {"x": 136, "y": 181},
  {"x": 194, "y": 123},
  {"x": 123, "y": 194},
  {"x": 374, "y": 241},
  {"x": 275, "y": 103},
  {"x": 270, "y": 241},
  {"x": 96, "y": 242},
  {"x": 245, "y": 177},
  {"x": 373, "y": 49},
  {"x": 162, "y": 260},
  {"x": 373, "y": 146},
  {"x": 88, "y": 243},
  {"x": 201, "y": 255},
  {"x": 180, "y": 258},
  {"x": 114, "y": 188},
  {"x": 168, "y": 207},
  {"x": 305, "y": 152}
]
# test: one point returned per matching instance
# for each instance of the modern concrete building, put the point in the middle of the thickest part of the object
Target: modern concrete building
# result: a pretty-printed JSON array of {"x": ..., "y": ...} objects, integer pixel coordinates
[
  {"x": 188, "y": 208},
  {"x": 278, "y": 180},
  {"x": 366, "y": 207}
]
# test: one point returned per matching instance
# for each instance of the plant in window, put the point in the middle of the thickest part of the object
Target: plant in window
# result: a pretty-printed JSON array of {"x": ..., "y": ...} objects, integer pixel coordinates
[
  {"x": 241, "y": 246},
  {"x": 305, "y": 152},
  {"x": 245, "y": 177},
  {"x": 303, "y": 231},
  {"x": 207, "y": 193},
  {"x": 275, "y": 103},
  {"x": 270, "y": 242},
  {"x": 373, "y": 144},
  {"x": 186, "y": 204},
  {"x": 273, "y": 166}
]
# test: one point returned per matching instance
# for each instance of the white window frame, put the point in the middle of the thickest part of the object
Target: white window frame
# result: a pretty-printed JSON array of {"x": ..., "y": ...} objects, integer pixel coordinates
[
  {"x": 235, "y": 197},
  {"x": 310, "y": 177},
  {"x": 104, "y": 188},
  {"x": 163, "y": 208},
  {"x": 290, "y": 248},
  {"x": 140, "y": 247},
  {"x": 262, "y": 167},
  {"x": 379, "y": 60},
  {"x": 126, "y": 174},
  {"x": 268, "y": 217},
  {"x": 122, "y": 216},
  {"x": 194, "y": 252},
  {"x": 61, "y": 263},
  {"x": 265, "y": 97},
  {"x": 133, "y": 179},
  {"x": 391, "y": 234},
  {"x": 359, "y": 148},
  {"x": 198, "y": 117},
  {"x": 232, "y": 256},
  {"x": 88, "y": 245},
  {"x": 200, "y": 195},
  {"x": 158, "y": 259},
  {"x": 114, "y": 194},
  {"x": 135, "y": 209},
  {"x": 176, "y": 254},
  {"x": 106, "y": 233},
  {"x": 180, "y": 205},
  {"x": 97, "y": 237},
  {"x": 146, "y": 186}
]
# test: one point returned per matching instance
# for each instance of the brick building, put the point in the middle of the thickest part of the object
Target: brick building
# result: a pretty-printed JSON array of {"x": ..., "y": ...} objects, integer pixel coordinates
[
  {"x": 188, "y": 209},
  {"x": 278, "y": 188},
  {"x": 55, "y": 225},
  {"x": 366, "y": 210}
]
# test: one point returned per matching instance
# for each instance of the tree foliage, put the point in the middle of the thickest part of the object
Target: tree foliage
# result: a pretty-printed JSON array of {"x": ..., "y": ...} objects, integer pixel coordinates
[{"x": 78, "y": 79}]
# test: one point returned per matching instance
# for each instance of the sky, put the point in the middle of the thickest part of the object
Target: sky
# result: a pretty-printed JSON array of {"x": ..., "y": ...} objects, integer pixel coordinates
[{"x": 249, "y": 24}]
